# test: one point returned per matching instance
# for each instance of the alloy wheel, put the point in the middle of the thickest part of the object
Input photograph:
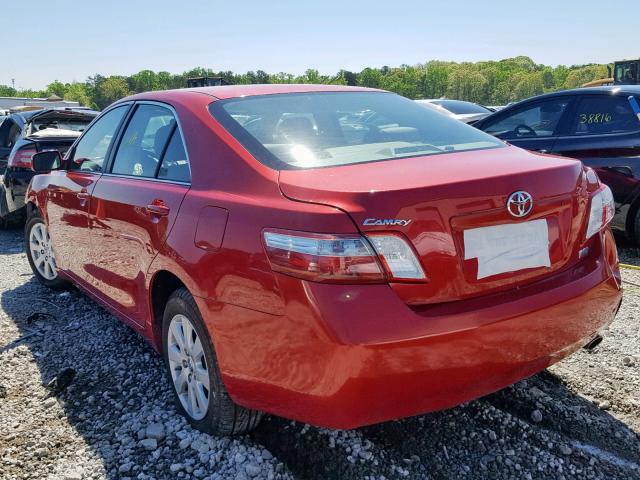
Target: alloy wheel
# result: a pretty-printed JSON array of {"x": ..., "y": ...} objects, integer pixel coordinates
[
  {"x": 41, "y": 251},
  {"x": 188, "y": 367}
]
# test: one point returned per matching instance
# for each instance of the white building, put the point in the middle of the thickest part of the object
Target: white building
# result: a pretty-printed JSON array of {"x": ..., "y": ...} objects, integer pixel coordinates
[{"x": 53, "y": 101}]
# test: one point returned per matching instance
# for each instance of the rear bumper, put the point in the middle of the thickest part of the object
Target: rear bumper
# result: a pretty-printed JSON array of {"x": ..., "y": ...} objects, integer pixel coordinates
[{"x": 347, "y": 356}]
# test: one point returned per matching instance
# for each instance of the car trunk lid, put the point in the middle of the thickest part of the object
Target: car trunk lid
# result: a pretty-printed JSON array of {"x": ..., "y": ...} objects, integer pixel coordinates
[{"x": 433, "y": 200}]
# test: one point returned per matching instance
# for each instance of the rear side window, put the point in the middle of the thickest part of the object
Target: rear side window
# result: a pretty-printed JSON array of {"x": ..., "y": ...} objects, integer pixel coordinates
[
  {"x": 144, "y": 140},
  {"x": 538, "y": 120},
  {"x": 93, "y": 146},
  {"x": 175, "y": 165},
  {"x": 604, "y": 114}
]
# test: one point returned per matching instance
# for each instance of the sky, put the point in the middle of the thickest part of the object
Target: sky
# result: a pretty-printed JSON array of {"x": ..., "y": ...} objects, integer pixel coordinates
[{"x": 69, "y": 40}]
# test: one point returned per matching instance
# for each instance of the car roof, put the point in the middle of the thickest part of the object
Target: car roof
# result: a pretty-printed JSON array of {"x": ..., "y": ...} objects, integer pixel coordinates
[
  {"x": 611, "y": 89},
  {"x": 233, "y": 91}
]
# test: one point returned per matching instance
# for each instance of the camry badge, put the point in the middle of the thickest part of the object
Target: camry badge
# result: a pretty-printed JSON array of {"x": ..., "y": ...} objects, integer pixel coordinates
[
  {"x": 520, "y": 204},
  {"x": 386, "y": 221}
]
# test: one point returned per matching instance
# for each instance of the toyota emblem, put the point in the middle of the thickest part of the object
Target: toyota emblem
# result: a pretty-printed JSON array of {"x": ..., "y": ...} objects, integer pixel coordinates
[{"x": 520, "y": 204}]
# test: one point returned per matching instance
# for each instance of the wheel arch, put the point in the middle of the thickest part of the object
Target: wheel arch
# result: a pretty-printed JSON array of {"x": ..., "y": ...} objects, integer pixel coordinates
[
  {"x": 32, "y": 208},
  {"x": 163, "y": 283}
]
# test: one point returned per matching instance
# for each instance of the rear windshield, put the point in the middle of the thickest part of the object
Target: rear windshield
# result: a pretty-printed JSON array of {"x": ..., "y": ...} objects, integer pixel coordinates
[
  {"x": 323, "y": 129},
  {"x": 460, "y": 108}
]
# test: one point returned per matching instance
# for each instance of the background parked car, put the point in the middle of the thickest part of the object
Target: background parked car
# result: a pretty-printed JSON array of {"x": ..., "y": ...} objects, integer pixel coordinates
[
  {"x": 467, "y": 112},
  {"x": 21, "y": 136},
  {"x": 599, "y": 126}
]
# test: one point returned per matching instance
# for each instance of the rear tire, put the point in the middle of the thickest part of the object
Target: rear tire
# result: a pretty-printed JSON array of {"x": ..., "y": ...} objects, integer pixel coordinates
[
  {"x": 40, "y": 253},
  {"x": 192, "y": 369}
]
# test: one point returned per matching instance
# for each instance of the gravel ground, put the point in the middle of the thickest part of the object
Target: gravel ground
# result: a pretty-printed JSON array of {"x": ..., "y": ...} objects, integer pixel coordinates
[{"x": 579, "y": 419}]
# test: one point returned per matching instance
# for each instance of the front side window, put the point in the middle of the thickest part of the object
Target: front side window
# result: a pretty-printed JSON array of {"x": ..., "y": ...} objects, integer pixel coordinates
[
  {"x": 322, "y": 129},
  {"x": 91, "y": 149},
  {"x": 538, "y": 120},
  {"x": 604, "y": 114},
  {"x": 144, "y": 141}
]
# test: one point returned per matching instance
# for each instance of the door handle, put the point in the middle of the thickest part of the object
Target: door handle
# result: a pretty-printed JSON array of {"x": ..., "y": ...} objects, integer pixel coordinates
[
  {"x": 543, "y": 150},
  {"x": 83, "y": 196},
  {"x": 158, "y": 209}
]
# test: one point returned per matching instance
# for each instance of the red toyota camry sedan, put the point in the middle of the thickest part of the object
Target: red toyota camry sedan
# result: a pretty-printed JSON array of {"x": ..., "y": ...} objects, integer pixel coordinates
[{"x": 339, "y": 256}]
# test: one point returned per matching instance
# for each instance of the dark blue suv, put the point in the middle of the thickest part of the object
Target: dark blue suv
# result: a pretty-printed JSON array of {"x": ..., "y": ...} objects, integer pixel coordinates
[{"x": 599, "y": 126}]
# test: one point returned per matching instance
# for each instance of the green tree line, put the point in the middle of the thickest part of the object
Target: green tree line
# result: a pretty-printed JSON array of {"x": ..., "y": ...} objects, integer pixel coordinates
[{"x": 488, "y": 82}]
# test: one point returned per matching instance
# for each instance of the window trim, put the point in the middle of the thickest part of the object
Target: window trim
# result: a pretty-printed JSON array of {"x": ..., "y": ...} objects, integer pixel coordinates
[
  {"x": 527, "y": 104},
  {"x": 120, "y": 134},
  {"x": 150, "y": 179},
  {"x": 72, "y": 150},
  {"x": 164, "y": 152}
]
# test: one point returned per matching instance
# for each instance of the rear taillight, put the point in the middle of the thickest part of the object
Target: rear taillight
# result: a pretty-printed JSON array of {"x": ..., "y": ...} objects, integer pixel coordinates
[
  {"x": 21, "y": 158},
  {"x": 342, "y": 258},
  {"x": 323, "y": 258},
  {"x": 397, "y": 257},
  {"x": 601, "y": 211}
]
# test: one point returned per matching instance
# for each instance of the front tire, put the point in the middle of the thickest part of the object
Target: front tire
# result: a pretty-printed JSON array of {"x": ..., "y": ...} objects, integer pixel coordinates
[
  {"x": 40, "y": 253},
  {"x": 193, "y": 372}
]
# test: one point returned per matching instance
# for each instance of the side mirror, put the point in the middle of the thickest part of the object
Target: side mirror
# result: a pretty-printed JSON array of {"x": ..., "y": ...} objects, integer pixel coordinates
[{"x": 44, "y": 162}]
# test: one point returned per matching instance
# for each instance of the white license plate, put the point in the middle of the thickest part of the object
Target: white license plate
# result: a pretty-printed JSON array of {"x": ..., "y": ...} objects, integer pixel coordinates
[{"x": 509, "y": 247}]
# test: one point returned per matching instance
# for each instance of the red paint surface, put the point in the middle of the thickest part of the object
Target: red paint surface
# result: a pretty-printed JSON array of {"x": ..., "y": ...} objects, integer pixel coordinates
[{"x": 340, "y": 355}]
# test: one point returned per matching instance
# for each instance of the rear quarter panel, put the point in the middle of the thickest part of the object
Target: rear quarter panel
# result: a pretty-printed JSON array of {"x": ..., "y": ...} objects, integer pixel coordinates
[{"x": 225, "y": 176}]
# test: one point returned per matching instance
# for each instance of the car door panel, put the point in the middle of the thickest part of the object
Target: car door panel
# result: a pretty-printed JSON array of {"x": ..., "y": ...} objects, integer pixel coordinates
[
  {"x": 130, "y": 221},
  {"x": 67, "y": 208},
  {"x": 618, "y": 167},
  {"x": 70, "y": 191}
]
